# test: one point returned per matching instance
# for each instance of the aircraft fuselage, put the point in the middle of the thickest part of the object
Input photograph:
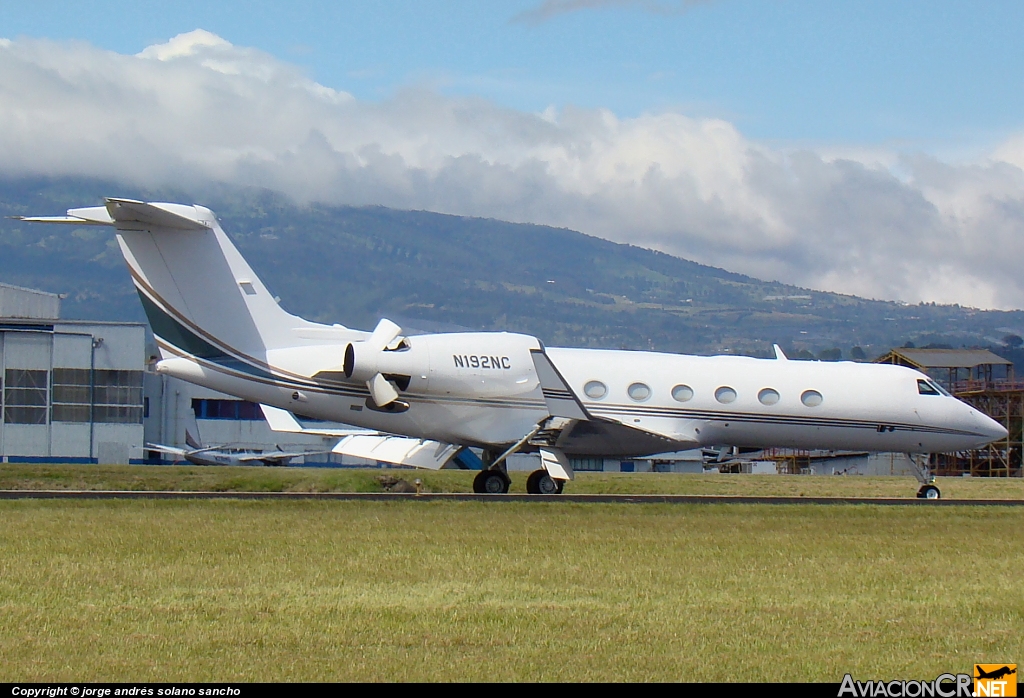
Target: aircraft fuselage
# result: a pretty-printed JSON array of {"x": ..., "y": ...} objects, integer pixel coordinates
[{"x": 482, "y": 389}]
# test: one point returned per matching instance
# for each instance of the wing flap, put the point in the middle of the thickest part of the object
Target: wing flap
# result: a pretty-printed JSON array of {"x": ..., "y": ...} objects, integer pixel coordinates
[
  {"x": 398, "y": 450},
  {"x": 555, "y": 462}
]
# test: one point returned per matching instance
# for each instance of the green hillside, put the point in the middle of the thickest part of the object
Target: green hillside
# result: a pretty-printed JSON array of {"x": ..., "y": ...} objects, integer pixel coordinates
[{"x": 431, "y": 271}]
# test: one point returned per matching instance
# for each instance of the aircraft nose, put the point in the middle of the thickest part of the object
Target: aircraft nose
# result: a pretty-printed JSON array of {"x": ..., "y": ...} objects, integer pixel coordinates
[{"x": 993, "y": 430}]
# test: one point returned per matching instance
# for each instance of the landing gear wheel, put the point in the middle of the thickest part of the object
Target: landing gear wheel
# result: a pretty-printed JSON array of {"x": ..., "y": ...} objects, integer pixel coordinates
[
  {"x": 540, "y": 482},
  {"x": 491, "y": 482},
  {"x": 928, "y": 492}
]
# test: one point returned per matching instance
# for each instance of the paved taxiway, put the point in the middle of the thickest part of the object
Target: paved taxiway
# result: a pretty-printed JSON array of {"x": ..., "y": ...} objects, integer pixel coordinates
[{"x": 466, "y": 497}]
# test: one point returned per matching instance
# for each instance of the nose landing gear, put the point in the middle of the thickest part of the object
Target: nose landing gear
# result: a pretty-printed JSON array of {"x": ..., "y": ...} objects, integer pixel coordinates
[{"x": 921, "y": 472}]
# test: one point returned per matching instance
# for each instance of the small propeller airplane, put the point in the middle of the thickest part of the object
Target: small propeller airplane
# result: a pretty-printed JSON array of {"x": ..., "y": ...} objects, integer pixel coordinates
[
  {"x": 431, "y": 397},
  {"x": 227, "y": 454}
]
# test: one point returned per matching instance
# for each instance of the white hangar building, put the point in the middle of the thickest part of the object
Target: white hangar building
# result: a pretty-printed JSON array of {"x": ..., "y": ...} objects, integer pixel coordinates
[
  {"x": 76, "y": 391},
  {"x": 72, "y": 391}
]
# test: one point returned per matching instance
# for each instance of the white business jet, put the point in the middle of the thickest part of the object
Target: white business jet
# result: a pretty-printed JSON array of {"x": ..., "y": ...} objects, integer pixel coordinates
[{"x": 434, "y": 395}]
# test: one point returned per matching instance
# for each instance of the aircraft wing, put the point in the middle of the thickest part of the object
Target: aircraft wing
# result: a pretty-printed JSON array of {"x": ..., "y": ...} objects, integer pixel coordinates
[
  {"x": 278, "y": 457},
  {"x": 594, "y": 432},
  {"x": 558, "y": 395},
  {"x": 285, "y": 421},
  {"x": 604, "y": 435},
  {"x": 369, "y": 445},
  {"x": 169, "y": 450}
]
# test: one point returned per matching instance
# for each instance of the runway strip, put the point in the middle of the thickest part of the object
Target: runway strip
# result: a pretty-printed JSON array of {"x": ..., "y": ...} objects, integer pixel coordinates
[{"x": 465, "y": 497}]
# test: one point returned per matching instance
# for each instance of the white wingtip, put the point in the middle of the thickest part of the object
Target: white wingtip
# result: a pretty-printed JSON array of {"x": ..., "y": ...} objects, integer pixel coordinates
[
  {"x": 281, "y": 420},
  {"x": 779, "y": 354}
]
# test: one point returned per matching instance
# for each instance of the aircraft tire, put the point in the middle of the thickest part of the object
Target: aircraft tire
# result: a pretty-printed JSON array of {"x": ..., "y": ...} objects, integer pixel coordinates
[
  {"x": 491, "y": 482},
  {"x": 540, "y": 482},
  {"x": 928, "y": 492}
]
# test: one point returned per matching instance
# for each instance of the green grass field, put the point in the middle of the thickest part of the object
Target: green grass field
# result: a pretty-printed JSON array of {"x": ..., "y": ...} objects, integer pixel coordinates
[
  {"x": 263, "y": 479},
  {"x": 338, "y": 591}
]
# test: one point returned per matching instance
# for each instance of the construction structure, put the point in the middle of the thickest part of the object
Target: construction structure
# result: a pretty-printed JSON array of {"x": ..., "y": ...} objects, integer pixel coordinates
[
  {"x": 986, "y": 382},
  {"x": 789, "y": 461}
]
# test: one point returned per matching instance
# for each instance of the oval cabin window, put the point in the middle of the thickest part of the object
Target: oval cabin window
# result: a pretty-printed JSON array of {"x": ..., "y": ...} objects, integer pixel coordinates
[
  {"x": 682, "y": 393},
  {"x": 595, "y": 390},
  {"x": 768, "y": 396},
  {"x": 811, "y": 398},
  {"x": 638, "y": 392},
  {"x": 725, "y": 395}
]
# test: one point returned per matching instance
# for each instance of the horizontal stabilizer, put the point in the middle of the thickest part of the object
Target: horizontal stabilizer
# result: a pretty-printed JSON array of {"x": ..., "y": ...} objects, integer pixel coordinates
[
  {"x": 69, "y": 220},
  {"x": 177, "y": 216},
  {"x": 398, "y": 450},
  {"x": 128, "y": 213},
  {"x": 559, "y": 397}
]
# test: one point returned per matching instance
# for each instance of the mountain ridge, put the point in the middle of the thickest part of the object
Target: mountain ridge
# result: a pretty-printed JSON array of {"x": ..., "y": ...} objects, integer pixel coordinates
[{"x": 352, "y": 265}]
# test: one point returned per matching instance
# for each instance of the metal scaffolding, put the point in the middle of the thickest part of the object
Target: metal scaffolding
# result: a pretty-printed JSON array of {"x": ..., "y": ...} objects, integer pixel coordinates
[
  {"x": 789, "y": 461},
  {"x": 989, "y": 387},
  {"x": 1003, "y": 401}
]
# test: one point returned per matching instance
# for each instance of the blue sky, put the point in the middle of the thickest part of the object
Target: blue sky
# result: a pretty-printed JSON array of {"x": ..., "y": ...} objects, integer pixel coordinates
[
  {"x": 873, "y": 148},
  {"x": 934, "y": 75}
]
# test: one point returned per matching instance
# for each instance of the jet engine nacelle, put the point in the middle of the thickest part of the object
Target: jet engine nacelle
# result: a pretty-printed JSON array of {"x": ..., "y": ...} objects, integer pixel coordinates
[
  {"x": 471, "y": 364},
  {"x": 363, "y": 362},
  {"x": 480, "y": 364},
  {"x": 386, "y": 363}
]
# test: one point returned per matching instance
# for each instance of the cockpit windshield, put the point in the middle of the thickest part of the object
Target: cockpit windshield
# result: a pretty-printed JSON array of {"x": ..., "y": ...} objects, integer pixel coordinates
[{"x": 927, "y": 387}]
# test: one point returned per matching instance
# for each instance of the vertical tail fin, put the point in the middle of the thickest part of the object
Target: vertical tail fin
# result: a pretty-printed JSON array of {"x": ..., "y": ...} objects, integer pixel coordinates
[
  {"x": 201, "y": 297},
  {"x": 198, "y": 292}
]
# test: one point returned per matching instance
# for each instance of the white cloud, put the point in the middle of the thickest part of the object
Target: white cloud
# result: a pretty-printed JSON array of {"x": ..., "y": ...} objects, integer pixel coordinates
[
  {"x": 876, "y": 222},
  {"x": 182, "y": 45}
]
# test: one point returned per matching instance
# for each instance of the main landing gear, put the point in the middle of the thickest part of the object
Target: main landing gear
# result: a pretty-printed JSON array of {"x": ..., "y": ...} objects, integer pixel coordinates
[
  {"x": 494, "y": 480},
  {"x": 491, "y": 482},
  {"x": 497, "y": 482},
  {"x": 540, "y": 482}
]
